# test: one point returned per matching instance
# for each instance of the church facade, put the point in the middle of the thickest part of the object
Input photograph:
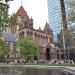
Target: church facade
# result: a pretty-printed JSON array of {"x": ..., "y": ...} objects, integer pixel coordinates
[{"x": 44, "y": 38}]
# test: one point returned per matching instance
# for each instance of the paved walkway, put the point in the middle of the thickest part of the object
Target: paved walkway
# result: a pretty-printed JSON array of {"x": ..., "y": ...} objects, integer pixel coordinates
[
  {"x": 70, "y": 70},
  {"x": 65, "y": 68}
]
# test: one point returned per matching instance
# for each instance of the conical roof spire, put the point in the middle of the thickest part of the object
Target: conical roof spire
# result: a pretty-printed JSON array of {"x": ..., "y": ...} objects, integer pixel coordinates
[
  {"x": 39, "y": 28},
  {"x": 31, "y": 18},
  {"x": 21, "y": 11},
  {"x": 47, "y": 28}
]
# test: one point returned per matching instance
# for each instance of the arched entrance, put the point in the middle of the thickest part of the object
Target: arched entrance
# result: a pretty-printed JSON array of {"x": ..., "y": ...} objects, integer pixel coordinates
[{"x": 47, "y": 53}]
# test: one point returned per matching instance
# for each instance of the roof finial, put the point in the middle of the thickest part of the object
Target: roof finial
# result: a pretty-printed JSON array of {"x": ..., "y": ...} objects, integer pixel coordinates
[{"x": 21, "y": 3}]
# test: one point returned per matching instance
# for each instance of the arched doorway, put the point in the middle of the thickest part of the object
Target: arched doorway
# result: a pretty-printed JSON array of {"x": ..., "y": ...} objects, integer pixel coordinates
[{"x": 47, "y": 53}]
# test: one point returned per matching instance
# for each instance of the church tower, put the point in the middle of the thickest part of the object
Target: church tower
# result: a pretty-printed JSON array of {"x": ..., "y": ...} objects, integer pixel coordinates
[
  {"x": 47, "y": 29},
  {"x": 23, "y": 17}
]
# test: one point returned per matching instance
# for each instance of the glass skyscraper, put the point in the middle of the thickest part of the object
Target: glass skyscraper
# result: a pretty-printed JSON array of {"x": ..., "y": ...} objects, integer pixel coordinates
[{"x": 56, "y": 15}]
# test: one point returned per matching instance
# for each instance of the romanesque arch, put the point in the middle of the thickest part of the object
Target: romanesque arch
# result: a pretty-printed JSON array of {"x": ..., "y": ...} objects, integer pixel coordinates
[{"x": 48, "y": 53}]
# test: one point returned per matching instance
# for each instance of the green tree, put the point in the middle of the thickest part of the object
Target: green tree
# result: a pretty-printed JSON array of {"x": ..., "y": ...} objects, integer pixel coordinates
[
  {"x": 71, "y": 18},
  {"x": 28, "y": 48},
  {"x": 3, "y": 16},
  {"x": 8, "y": 1},
  {"x": 13, "y": 20},
  {"x": 13, "y": 23},
  {"x": 67, "y": 39},
  {"x": 71, "y": 11},
  {"x": 68, "y": 34},
  {"x": 3, "y": 49}
]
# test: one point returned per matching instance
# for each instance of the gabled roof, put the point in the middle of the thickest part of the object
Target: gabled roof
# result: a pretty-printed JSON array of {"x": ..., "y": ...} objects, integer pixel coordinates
[{"x": 21, "y": 12}]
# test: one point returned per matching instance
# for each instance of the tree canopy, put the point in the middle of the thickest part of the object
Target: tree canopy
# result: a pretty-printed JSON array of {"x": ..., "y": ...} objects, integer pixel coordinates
[
  {"x": 71, "y": 11},
  {"x": 28, "y": 48},
  {"x": 3, "y": 16},
  {"x": 3, "y": 48},
  {"x": 69, "y": 34},
  {"x": 69, "y": 39},
  {"x": 13, "y": 20}
]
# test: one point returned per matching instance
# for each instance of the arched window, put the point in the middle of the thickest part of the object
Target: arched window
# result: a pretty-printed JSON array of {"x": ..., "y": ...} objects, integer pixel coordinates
[
  {"x": 38, "y": 35},
  {"x": 35, "y": 34},
  {"x": 41, "y": 36}
]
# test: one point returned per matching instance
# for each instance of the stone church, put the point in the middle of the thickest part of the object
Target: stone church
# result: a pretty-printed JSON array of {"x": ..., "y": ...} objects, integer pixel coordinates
[{"x": 44, "y": 37}]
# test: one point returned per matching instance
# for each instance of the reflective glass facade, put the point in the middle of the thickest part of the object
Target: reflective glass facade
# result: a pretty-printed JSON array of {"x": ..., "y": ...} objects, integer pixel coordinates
[{"x": 56, "y": 16}]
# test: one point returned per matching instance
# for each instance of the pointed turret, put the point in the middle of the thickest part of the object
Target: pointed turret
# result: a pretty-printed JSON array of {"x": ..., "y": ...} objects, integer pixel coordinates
[
  {"x": 31, "y": 18},
  {"x": 47, "y": 29},
  {"x": 31, "y": 23},
  {"x": 23, "y": 16},
  {"x": 39, "y": 28}
]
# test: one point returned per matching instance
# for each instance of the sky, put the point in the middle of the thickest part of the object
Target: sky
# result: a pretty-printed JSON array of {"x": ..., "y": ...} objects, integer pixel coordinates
[{"x": 36, "y": 8}]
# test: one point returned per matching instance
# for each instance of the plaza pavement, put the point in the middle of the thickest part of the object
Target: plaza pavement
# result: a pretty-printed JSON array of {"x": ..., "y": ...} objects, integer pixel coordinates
[{"x": 64, "y": 68}]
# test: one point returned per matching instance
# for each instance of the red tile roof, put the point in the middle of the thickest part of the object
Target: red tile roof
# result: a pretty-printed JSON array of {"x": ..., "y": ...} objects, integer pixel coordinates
[{"x": 21, "y": 12}]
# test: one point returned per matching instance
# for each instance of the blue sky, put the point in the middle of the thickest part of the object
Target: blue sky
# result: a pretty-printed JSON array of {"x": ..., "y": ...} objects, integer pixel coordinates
[{"x": 35, "y": 8}]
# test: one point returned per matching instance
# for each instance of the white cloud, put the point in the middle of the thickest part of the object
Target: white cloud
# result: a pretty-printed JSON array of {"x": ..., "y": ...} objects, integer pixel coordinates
[{"x": 35, "y": 8}]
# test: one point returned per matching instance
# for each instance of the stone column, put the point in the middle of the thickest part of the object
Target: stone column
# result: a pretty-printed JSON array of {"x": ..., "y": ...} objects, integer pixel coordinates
[
  {"x": 33, "y": 36},
  {"x": 52, "y": 53},
  {"x": 44, "y": 53},
  {"x": 25, "y": 34},
  {"x": 48, "y": 39}
]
